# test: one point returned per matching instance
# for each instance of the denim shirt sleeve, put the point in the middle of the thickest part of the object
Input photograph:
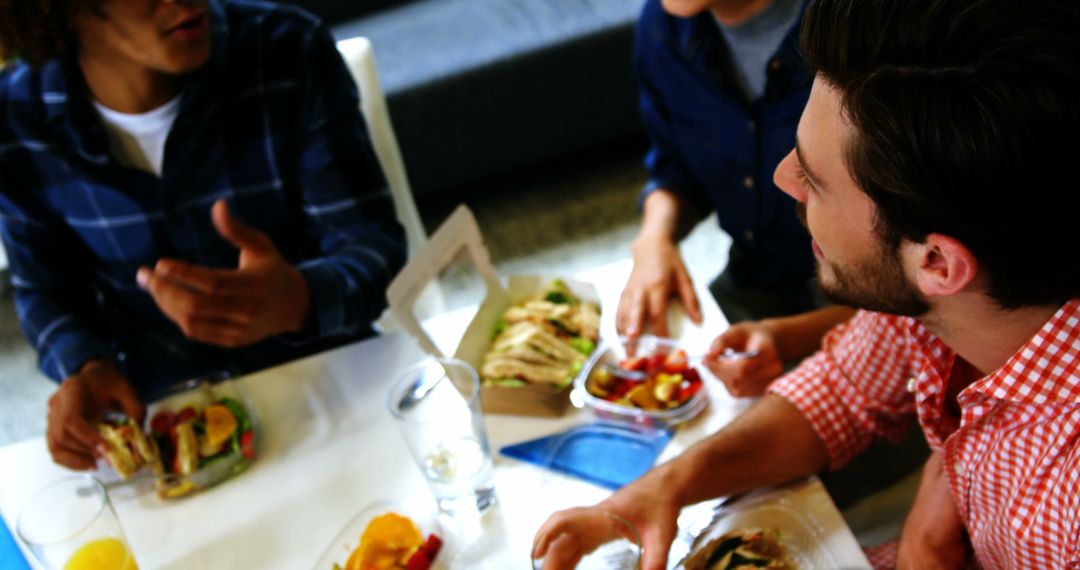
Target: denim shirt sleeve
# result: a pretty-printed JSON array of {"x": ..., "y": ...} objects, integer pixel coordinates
[
  {"x": 347, "y": 205},
  {"x": 664, "y": 159}
]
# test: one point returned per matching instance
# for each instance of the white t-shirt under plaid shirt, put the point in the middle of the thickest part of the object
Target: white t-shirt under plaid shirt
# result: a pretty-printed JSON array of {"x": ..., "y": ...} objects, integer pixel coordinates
[{"x": 1013, "y": 459}]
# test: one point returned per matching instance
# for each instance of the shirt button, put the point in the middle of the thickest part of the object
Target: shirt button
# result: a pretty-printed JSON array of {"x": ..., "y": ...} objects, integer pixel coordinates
[
  {"x": 911, "y": 385},
  {"x": 749, "y": 235},
  {"x": 748, "y": 182},
  {"x": 959, "y": 469},
  {"x": 775, "y": 64}
]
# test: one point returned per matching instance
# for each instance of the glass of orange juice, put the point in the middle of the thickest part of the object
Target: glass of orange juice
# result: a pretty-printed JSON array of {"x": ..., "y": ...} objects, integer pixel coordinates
[{"x": 71, "y": 525}]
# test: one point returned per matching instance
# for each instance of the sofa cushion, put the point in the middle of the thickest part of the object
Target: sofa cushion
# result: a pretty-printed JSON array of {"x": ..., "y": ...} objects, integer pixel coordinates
[{"x": 481, "y": 87}]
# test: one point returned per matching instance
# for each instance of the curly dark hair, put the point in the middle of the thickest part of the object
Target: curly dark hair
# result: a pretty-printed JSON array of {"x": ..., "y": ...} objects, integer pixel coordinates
[{"x": 36, "y": 31}]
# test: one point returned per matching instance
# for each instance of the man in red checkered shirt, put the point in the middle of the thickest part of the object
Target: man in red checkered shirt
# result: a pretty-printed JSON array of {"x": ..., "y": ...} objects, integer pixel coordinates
[{"x": 934, "y": 171}]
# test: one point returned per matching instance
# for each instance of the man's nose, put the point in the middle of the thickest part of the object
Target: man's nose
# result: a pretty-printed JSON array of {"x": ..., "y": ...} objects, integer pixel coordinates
[{"x": 786, "y": 178}]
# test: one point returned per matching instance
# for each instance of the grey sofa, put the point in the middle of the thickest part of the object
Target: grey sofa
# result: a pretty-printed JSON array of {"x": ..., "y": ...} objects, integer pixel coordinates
[{"x": 477, "y": 88}]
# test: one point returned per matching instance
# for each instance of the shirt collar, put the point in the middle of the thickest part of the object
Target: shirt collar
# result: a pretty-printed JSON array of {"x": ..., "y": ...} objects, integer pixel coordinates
[
  {"x": 700, "y": 40},
  {"x": 1046, "y": 369}
]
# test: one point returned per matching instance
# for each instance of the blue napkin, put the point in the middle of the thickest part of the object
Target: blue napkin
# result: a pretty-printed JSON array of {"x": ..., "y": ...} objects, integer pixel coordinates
[
  {"x": 11, "y": 557},
  {"x": 606, "y": 454}
]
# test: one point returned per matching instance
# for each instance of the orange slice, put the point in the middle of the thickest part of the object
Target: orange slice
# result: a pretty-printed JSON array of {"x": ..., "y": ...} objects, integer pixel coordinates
[
  {"x": 394, "y": 531},
  {"x": 387, "y": 543},
  {"x": 220, "y": 424}
]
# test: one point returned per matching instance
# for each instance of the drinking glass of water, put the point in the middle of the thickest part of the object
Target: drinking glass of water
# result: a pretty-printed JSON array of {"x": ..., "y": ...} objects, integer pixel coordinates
[{"x": 437, "y": 407}]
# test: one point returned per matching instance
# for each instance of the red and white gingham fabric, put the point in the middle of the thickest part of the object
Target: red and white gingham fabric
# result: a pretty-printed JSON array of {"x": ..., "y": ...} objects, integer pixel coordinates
[{"x": 1014, "y": 456}]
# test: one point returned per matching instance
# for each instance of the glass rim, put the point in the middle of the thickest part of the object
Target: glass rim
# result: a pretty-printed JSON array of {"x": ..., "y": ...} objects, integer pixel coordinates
[
  {"x": 394, "y": 407},
  {"x": 86, "y": 480}
]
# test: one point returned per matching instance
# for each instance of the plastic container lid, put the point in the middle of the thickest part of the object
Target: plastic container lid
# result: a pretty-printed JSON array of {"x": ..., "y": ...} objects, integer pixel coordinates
[{"x": 607, "y": 454}]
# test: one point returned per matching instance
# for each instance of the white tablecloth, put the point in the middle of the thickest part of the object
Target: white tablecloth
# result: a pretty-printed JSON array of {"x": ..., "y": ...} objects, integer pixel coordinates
[{"x": 329, "y": 448}]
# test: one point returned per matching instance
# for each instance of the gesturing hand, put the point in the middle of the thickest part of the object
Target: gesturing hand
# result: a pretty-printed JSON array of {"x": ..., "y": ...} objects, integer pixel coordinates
[
  {"x": 263, "y": 296},
  {"x": 658, "y": 275},
  {"x": 745, "y": 376},
  {"x": 80, "y": 402}
]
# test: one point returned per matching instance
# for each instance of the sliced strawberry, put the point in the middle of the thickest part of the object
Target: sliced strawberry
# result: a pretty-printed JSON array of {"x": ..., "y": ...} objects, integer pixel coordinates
[
  {"x": 247, "y": 444},
  {"x": 186, "y": 414},
  {"x": 432, "y": 546},
  {"x": 688, "y": 390},
  {"x": 655, "y": 363},
  {"x": 620, "y": 389},
  {"x": 418, "y": 561},
  {"x": 675, "y": 362},
  {"x": 163, "y": 422},
  {"x": 636, "y": 363}
]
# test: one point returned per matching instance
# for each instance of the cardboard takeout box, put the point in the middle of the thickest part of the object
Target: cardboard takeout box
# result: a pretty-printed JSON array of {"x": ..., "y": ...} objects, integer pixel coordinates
[{"x": 457, "y": 236}]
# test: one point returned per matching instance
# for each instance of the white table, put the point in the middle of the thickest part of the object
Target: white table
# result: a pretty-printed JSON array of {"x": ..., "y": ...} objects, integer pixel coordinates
[{"x": 329, "y": 447}]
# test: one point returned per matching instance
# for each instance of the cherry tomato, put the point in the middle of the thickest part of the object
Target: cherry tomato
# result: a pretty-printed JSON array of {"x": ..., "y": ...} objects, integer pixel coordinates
[{"x": 162, "y": 422}]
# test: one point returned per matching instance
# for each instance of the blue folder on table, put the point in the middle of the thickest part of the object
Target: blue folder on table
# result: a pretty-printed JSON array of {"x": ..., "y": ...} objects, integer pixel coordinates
[
  {"x": 606, "y": 454},
  {"x": 11, "y": 557}
]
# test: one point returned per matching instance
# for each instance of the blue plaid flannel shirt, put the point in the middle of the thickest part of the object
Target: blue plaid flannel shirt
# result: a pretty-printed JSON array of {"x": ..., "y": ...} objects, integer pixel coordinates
[{"x": 272, "y": 124}]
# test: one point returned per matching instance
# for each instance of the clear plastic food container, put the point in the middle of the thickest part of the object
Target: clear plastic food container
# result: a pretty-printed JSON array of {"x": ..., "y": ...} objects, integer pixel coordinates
[
  {"x": 198, "y": 434},
  {"x": 609, "y": 356},
  {"x": 221, "y": 416},
  {"x": 802, "y": 537}
]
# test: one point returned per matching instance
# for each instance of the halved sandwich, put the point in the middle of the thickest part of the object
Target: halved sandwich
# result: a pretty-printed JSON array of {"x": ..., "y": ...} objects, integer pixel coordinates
[
  {"x": 127, "y": 449},
  {"x": 527, "y": 352}
]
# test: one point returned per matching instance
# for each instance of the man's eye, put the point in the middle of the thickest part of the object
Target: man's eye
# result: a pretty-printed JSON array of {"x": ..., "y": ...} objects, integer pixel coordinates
[{"x": 803, "y": 178}]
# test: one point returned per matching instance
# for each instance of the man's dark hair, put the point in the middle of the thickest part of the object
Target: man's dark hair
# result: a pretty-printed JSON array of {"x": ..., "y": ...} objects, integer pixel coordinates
[
  {"x": 966, "y": 121},
  {"x": 36, "y": 30}
]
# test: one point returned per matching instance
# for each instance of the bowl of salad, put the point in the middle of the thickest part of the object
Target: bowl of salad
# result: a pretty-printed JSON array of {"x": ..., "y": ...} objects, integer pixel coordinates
[
  {"x": 649, "y": 380},
  {"x": 200, "y": 433}
]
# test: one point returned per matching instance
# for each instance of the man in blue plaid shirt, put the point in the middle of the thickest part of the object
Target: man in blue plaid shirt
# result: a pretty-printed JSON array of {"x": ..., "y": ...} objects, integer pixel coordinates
[{"x": 185, "y": 188}]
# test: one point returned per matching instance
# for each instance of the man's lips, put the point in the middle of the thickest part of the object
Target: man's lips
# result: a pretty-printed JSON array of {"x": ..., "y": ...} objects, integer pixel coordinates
[{"x": 189, "y": 27}]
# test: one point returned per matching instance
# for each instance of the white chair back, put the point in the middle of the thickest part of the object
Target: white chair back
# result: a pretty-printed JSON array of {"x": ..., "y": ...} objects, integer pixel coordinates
[
  {"x": 361, "y": 62},
  {"x": 360, "y": 59}
]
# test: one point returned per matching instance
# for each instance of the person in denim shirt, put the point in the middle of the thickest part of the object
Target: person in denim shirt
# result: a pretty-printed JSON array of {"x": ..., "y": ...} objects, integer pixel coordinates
[
  {"x": 722, "y": 86},
  {"x": 185, "y": 188},
  {"x": 721, "y": 89}
]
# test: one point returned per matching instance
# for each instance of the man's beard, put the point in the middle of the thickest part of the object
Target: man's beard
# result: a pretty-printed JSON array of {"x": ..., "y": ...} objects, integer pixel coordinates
[{"x": 875, "y": 284}]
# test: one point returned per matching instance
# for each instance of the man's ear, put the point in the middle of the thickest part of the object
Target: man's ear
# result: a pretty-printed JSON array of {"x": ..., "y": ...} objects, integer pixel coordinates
[{"x": 942, "y": 265}]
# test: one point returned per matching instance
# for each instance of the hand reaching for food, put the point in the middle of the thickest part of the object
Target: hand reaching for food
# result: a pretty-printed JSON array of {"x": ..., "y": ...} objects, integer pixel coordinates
[
  {"x": 749, "y": 375},
  {"x": 78, "y": 404}
]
